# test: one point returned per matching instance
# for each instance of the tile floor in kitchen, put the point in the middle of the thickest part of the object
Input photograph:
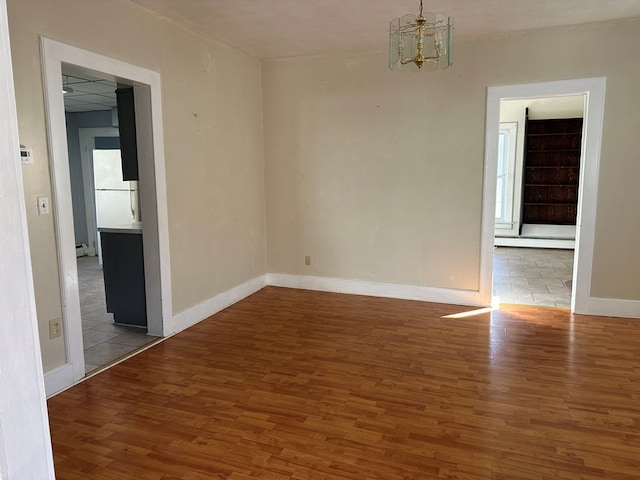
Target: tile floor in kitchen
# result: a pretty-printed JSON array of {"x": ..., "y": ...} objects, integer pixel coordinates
[
  {"x": 533, "y": 276},
  {"x": 104, "y": 341}
]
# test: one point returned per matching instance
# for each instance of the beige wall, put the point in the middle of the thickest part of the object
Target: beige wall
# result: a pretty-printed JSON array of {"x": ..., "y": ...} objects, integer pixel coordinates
[
  {"x": 212, "y": 111},
  {"x": 378, "y": 175}
]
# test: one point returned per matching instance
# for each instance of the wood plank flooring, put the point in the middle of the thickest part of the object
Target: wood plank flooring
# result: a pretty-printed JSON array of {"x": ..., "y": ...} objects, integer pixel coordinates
[{"x": 292, "y": 385}]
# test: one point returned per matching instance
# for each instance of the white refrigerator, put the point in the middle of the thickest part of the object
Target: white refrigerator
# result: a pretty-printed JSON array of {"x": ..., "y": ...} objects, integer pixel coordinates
[{"x": 117, "y": 201}]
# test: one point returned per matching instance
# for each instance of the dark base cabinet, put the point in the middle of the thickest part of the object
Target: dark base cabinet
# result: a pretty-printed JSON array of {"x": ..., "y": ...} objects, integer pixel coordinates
[{"x": 123, "y": 269}]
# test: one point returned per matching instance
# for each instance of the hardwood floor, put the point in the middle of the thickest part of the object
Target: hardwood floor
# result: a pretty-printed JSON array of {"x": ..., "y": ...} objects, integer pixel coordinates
[{"x": 291, "y": 385}]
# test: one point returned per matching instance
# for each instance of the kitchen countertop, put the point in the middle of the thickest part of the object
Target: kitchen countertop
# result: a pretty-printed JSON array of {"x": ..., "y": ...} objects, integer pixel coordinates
[{"x": 132, "y": 228}]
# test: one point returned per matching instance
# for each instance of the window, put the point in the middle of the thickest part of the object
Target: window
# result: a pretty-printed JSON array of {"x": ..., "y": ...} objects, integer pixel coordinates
[{"x": 505, "y": 176}]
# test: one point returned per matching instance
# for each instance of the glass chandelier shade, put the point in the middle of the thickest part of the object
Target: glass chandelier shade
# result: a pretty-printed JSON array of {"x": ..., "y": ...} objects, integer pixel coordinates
[{"x": 421, "y": 42}]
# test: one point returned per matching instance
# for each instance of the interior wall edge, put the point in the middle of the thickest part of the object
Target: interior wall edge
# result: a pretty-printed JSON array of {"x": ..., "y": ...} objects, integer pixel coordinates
[{"x": 25, "y": 442}]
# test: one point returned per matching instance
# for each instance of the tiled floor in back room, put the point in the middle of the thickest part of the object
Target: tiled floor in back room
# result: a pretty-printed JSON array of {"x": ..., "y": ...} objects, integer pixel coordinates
[
  {"x": 103, "y": 340},
  {"x": 533, "y": 276}
]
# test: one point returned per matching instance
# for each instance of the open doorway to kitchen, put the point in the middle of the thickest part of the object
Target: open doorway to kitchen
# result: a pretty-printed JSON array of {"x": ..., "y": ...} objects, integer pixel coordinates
[
  {"x": 93, "y": 82},
  {"x": 101, "y": 198},
  {"x": 538, "y": 171}
]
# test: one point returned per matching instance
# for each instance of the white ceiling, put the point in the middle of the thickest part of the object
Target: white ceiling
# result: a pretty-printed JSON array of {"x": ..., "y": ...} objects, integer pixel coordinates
[
  {"x": 89, "y": 93},
  {"x": 284, "y": 28},
  {"x": 544, "y": 108}
]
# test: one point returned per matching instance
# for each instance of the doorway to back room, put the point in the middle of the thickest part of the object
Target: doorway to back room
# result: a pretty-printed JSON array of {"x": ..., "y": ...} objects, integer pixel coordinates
[
  {"x": 537, "y": 182},
  {"x": 593, "y": 92}
]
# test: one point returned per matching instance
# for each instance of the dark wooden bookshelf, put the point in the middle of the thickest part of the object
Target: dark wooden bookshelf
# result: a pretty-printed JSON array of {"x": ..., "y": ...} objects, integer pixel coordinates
[{"x": 552, "y": 171}]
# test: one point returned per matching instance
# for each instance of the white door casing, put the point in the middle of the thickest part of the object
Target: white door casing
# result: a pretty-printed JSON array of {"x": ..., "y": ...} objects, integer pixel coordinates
[
  {"x": 153, "y": 198},
  {"x": 594, "y": 91}
]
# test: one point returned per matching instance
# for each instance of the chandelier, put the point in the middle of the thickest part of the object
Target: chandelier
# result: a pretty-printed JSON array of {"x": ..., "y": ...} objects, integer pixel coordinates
[{"x": 422, "y": 41}]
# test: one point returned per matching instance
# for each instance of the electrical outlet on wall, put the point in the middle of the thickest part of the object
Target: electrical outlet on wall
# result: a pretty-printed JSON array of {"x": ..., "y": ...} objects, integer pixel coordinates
[
  {"x": 54, "y": 328},
  {"x": 307, "y": 259}
]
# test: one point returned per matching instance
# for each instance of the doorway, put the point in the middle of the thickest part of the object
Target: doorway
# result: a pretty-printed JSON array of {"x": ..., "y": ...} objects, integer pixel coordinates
[
  {"x": 593, "y": 90},
  {"x": 99, "y": 197},
  {"x": 538, "y": 165},
  {"x": 150, "y": 151}
]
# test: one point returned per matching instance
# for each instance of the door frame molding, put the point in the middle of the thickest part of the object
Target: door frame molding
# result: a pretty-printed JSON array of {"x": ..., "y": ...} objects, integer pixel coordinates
[
  {"x": 153, "y": 198},
  {"x": 594, "y": 91}
]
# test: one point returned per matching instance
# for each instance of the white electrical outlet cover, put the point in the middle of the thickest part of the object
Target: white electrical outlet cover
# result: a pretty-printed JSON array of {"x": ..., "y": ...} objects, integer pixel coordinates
[{"x": 43, "y": 205}]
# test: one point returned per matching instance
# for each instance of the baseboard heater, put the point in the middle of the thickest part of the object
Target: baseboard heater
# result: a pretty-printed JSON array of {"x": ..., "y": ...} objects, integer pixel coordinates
[{"x": 81, "y": 250}]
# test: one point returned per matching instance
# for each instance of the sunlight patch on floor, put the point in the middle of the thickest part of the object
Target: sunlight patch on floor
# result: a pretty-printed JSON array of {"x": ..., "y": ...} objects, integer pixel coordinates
[{"x": 470, "y": 313}]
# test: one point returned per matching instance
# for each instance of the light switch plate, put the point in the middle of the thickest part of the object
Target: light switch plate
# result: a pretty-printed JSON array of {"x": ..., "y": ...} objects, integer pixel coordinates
[{"x": 43, "y": 205}]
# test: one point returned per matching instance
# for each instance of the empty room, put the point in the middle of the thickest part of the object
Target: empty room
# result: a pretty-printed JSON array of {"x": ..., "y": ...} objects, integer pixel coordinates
[{"x": 310, "y": 222}]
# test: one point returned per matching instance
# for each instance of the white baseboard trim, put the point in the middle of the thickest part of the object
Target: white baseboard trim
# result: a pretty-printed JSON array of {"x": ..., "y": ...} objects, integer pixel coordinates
[
  {"x": 559, "y": 232},
  {"x": 612, "y": 307},
  {"x": 221, "y": 301},
  {"x": 58, "y": 379},
  {"x": 375, "y": 289},
  {"x": 534, "y": 243}
]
